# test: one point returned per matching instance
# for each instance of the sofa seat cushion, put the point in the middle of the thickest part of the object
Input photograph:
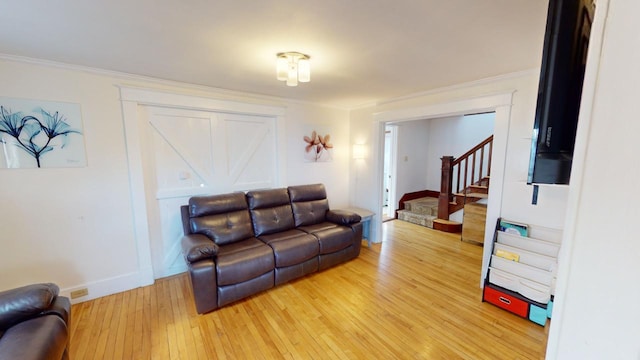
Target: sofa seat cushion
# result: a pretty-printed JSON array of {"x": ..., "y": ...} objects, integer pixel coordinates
[
  {"x": 243, "y": 260},
  {"x": 333, "y": 238},
  {"x": 292, "y": 247}
]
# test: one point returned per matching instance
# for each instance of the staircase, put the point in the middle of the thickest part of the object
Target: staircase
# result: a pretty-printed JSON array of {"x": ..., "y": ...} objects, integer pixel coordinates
[
  {"x": 469, "y": 175},
  {"x": 424, "y": 210},
  {"x": 472, "y": 193},
  {"x": 420, "y": 211}
]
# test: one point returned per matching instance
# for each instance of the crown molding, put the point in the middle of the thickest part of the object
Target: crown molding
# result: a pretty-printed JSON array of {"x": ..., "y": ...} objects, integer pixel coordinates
[
  {"x": 466, "y": 85},
  {"x": 122, "y": 76}
]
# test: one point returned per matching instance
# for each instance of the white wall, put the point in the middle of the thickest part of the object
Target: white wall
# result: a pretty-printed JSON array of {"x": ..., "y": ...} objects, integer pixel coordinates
[
  {"x": 599, "y": 276},
  {"x": 75, "y": 226},
  {"x": 69, "y": 226},
  {"x": 335, "y": 174},
  {"x": 412, "y": 157},
  {"x": 363, "y": 130},
  {"x": 454, "y": 136}
]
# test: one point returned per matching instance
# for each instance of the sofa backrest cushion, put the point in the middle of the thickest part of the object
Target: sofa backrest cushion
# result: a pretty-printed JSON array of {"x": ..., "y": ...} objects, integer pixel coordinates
[
  {"x": 186, "y": 219},
  {"x": 270, "y": 211},
  {"x": 216, "y": 204},
  {"x": 309, "y": 204},
  {"x": 222, "y": 218}
]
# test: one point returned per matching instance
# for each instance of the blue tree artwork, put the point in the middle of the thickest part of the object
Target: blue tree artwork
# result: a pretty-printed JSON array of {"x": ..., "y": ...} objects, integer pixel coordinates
[{"x": 40, "y": 134}]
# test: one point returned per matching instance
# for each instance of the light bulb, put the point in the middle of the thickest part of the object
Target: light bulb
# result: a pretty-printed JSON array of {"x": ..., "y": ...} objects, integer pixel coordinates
[
  {"x": 282, "y": 68},
  {"x": 292, "y": 79},
  {"x": 304, "y": 70}
]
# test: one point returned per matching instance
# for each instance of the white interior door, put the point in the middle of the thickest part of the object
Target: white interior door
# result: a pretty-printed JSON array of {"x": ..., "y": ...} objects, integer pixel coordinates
[{"x": 189, "y": 153}]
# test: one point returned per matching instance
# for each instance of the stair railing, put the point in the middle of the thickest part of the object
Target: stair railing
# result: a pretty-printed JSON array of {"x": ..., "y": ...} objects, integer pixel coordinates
[{"x": 458, "y": 174}]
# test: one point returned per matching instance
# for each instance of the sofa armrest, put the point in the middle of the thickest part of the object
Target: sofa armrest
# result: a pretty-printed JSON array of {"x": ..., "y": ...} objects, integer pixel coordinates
[
  {"x": 43, "y": 337},
  {"x": 23, "y": 303},
  {"x": 342, "y": 217},
  {"x": 196, "y": 247},
  {"x": 61, "y": 307}
]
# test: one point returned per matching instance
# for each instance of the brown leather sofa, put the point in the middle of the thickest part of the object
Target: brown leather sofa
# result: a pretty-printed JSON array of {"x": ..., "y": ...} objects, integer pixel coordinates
[
  {"x": 34, "y": 323},
  {"x": 237, "y": 245}
]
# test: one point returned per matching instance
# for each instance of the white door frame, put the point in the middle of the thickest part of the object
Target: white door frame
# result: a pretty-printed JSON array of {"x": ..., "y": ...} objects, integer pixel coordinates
[
  {"x": 393, "y": 169},
  {"x": 132, "y": 98},
  {"x": 498, "y": 103}
]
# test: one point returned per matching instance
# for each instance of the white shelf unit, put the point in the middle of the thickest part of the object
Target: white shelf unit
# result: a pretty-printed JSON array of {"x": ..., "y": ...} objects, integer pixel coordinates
[{"x": 522, "y": 271}]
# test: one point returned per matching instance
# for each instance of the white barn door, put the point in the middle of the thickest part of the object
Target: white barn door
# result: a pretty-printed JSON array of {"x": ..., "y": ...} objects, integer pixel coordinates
[{"x": 189, "y": 152}]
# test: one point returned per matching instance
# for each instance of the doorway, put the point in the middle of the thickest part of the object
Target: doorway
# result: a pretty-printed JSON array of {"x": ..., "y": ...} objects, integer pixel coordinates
[
  {"x": 412, "y": 158},
  {"x": 498, "y": 103},
  {"x": 389, "y": 171}
]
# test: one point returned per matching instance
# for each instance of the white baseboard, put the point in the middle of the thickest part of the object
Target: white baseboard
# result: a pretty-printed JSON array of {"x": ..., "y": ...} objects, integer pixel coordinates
[
  {"x": 173, "y": 270},
  {"x": 108, "y": 286}
]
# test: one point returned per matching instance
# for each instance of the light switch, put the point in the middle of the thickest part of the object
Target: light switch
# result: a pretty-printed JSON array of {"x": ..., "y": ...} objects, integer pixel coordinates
[{"x": 184, "y": 175}]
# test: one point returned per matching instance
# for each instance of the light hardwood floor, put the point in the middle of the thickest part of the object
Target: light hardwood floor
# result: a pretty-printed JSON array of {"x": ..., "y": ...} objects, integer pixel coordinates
[{"x": 416, "y": 296}]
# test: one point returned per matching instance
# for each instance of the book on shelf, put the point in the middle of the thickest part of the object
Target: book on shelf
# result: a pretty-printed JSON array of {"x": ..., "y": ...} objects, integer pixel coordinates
[
  {"x": 514, "y": 228},
  {"x": 508, "y": 255}
]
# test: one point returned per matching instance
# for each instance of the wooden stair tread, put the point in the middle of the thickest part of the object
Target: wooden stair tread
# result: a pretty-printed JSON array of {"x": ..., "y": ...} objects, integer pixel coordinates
[
  {"x": 473, "y": 195},
  {"x": 476, "y": 204},
  {"x": 448, "y": 222},
  {"x": 479, "y": 186},
  {"x": 447, "y": 225}
]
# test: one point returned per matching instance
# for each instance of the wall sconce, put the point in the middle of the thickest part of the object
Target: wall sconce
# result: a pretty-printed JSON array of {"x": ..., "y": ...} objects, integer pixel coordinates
[
  {"x": 293, "y": 67},
  {"x": 359, "y": 151}
]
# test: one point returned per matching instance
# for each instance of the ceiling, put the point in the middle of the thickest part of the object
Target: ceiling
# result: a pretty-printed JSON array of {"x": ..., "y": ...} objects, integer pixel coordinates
[{"x": 362, "y": 51}]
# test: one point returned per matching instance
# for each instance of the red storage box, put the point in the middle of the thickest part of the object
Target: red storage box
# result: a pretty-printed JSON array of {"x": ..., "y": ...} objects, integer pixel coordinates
[{"x": 505, "y": 301}]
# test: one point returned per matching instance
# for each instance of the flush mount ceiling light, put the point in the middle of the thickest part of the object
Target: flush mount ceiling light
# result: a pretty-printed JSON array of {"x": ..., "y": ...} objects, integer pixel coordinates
[{"x": 293, "y": 67}]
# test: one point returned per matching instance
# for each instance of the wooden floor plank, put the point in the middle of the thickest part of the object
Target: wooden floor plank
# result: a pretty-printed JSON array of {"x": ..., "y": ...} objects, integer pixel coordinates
[{"x": 416, "y": 295}]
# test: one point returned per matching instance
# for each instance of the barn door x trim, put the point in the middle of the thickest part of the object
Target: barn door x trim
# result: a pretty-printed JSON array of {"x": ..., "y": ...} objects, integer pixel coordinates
[{"x": 132, "y": 99}]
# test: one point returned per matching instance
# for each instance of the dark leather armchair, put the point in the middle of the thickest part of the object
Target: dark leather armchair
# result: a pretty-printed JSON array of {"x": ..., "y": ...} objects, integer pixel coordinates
[{"x": 34, "y": 323}]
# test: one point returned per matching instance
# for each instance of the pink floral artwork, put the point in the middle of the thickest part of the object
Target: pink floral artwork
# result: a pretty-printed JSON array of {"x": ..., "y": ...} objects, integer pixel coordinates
[{"x": 318, "y": 148}]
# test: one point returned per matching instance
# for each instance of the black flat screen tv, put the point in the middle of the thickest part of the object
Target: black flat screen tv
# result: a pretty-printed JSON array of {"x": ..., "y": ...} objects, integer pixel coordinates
[{"x": 559, "y": 91}]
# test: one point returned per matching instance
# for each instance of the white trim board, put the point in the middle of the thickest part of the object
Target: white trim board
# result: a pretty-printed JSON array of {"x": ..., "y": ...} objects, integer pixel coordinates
[
  {"x": 109, "y": 286},
  {"x": 143, "y": 96}
]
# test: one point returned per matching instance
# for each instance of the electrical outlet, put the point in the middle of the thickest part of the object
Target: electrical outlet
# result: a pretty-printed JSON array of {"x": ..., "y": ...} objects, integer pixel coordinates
[{"x": 79, "y": 293}]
